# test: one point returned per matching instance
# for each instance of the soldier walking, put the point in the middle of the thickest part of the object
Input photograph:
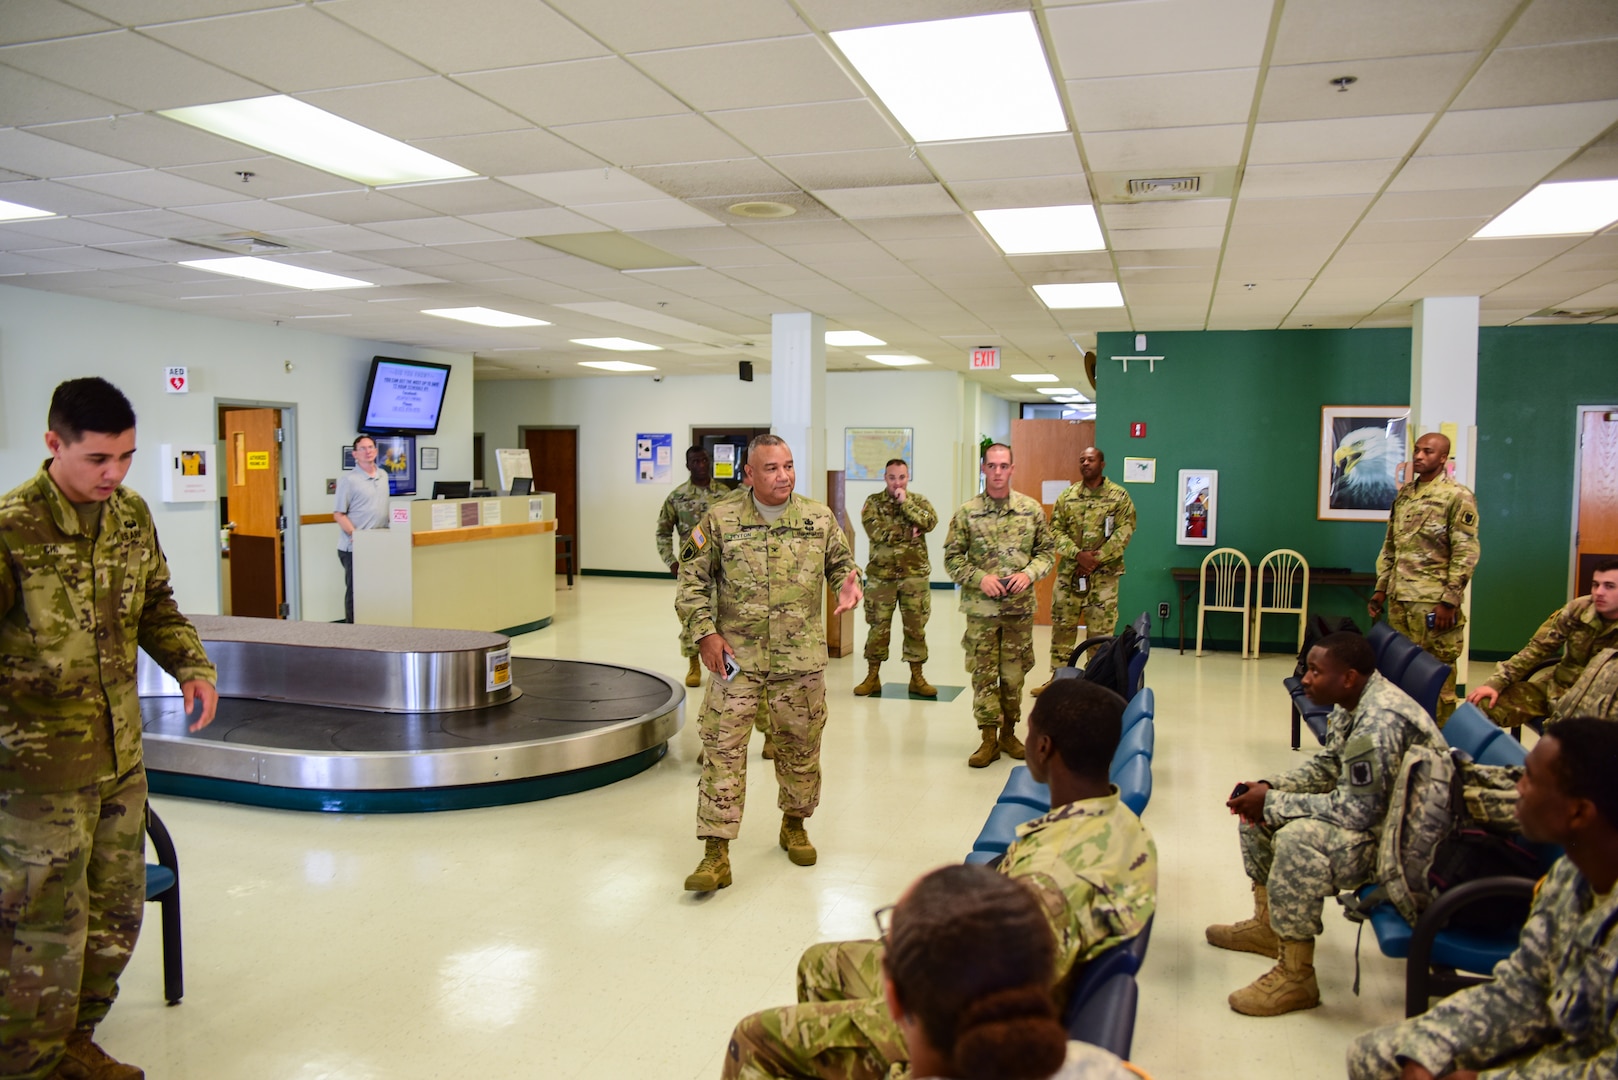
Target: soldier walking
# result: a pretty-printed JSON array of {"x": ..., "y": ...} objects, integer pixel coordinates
[
  {"x": 1427, "y": 559},
  {"x": 897, "y": 522},
  {"x": 752, "y": 575},
  {"x": 998, "y": 545},
  {"x": 83, "y": 586},
  {"x": 1091, "y": 525},
  {"x": 680, "y": 513}
]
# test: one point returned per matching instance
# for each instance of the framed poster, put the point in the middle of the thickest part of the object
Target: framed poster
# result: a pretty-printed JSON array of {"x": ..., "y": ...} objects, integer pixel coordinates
[
  {"x": 1197, "y": 523},
  {"x": 1361, "y": 450},
  {"x": 348, "y": 457},
  {"x": 867, "y": 451},
  {"x": 429, "y": 457},
  {"x": 396, "y": 456},
  {"x": 1140, "y": 470},
  {"x": 654, "y": 458}
]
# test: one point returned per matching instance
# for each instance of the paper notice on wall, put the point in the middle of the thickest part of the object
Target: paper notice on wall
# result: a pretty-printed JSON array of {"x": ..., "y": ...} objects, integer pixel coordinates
[
  {"x": 446, "y": 515},
  {"x": 469, "y": 513},
  {"x": 401, "y": 515},
  {"x": 1050, "y": 489},
  {"x": 491, "y": 513},
  {"x": 498, "y": 664},
  {"x": 536, "y": 509}
]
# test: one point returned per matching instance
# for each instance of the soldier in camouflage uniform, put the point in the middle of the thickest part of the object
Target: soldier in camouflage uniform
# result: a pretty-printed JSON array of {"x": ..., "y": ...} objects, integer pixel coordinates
[
  {"x": 998, "y": 545},
  {"x": 1091, "y": 524},
  {"x": 1517, "y": 694},
  {"x": 680, "y": 513},
  {"x": 83, "y": 582},
  {"x": 1427, "y": 558},
  {"x": 897, "y": 522},
  {"x": 752, "y": 575},
  {"x": 1551, "y": 1011},
  {"x": 1312, "y": 832},
  {"x": 1090, "y": 861}
]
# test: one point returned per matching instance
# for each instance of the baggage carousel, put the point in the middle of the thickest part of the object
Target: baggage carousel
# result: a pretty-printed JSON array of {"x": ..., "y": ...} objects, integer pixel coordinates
[{"x": 319, "y": 716}]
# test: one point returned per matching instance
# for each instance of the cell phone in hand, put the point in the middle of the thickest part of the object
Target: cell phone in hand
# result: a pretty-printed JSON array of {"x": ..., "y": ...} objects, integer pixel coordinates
[
  {"x": 1432, "y": 620},
  {"x": 1239, "y": 790},
  {"x": 731, "y": 667}
]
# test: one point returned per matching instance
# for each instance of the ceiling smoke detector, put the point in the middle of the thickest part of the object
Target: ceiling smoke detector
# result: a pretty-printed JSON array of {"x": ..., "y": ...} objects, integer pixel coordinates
[
  {"x": 1165, "y": 185},
  {"x": 762, "y": 209}
]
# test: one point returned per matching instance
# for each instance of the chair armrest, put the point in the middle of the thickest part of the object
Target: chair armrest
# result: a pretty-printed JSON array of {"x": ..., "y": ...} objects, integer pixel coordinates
[
  {"x": 1438, "y": 916},
  {"x": 162, "y": 843}
]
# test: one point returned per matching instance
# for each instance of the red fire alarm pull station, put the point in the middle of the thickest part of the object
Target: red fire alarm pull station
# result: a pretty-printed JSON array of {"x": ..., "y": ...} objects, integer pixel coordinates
[{"x": 1137, "y": 431}]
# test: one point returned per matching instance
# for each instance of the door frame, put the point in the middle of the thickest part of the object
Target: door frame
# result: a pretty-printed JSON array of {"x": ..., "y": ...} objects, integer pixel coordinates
[
  {"x": 1579, "y": 414},
  {"x": 578, "y": 503},
  {"x": 291, "y": 554}
]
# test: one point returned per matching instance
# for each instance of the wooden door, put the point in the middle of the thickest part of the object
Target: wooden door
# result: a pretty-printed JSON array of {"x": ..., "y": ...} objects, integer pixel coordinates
[
  {"x": 253, "y": 485},
  {"x": 1597, "y": 536},
  {"x": 1047, "y": 450},
  {"x": 555, "y": 456}
]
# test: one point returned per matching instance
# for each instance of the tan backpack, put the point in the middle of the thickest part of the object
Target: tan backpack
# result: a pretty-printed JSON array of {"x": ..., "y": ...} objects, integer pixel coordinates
[{"x": 1594, "y": 692}]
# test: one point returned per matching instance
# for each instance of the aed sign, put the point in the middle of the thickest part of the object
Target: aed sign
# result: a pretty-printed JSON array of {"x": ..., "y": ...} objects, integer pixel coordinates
[
  {"x": 1137, "y": 431},
  {"x": 985, "y": 360},
  {"x": 176, "y": 381},
  {"x": 258, "y": 459}
]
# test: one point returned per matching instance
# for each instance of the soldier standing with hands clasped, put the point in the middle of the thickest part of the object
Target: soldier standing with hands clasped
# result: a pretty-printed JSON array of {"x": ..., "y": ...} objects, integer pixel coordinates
[
  {"x": 680, "y": 513},
  {"x": 752, "y": 575},
  {"x": 897, "y": 522}
]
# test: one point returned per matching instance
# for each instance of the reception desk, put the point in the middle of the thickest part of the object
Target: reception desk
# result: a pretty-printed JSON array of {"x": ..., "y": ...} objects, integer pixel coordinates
[{"x": 489, "y": 564}]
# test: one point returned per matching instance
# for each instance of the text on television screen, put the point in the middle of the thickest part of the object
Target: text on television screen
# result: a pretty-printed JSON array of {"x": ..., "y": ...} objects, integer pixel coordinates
[{"x": 404, "y": 397}]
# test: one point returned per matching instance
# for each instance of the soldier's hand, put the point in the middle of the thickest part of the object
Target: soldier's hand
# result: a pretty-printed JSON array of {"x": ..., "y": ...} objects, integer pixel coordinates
[
  {"x": 1249, "y": 805},
  {"x": 899, "y": 496},
  {"x": 1485, "y": 696},
  {"x": 850, "y": 595},
  {"x": 674, "y": 568},
  {"x": 1018, "y": 582},
  {"x": 992, "y": 586},
  {"x": 201, "y": 693},
  {"x": 1374, "y": 608},
  {"x": 1443, "y": 617},
  {"x": 1087, "y": 561},
  {"x": 713, "y": 649}
]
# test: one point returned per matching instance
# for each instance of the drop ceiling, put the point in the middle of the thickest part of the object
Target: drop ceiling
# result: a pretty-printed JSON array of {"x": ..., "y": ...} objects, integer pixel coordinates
[{"x": 1318, "y": 206}]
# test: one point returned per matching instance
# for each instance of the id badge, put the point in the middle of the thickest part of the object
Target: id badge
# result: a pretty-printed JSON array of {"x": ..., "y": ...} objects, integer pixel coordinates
[
  {"x": 1084, "y": 583},
  {"x": 1106, "y": 528}
]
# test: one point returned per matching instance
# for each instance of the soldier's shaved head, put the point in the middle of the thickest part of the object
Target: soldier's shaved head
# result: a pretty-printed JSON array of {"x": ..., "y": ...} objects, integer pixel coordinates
[{"x": 1438, "y": 441}]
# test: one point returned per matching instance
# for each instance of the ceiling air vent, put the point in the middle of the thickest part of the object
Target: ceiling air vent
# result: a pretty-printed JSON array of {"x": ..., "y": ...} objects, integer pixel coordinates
[
  {"x": 245, "y": 243},
  {"x": 1165, "y": 185}
]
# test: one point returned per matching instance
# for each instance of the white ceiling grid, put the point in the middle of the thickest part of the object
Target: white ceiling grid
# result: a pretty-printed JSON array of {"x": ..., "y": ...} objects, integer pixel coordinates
[{"x": 1320, "y": 207}]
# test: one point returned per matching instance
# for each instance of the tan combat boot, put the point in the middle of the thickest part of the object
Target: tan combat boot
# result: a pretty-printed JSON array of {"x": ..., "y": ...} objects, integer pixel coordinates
[
  {"x": 1250, "y": 935},
  {"x": 795, "y": 841},
  {"x": 919, "y": 684},
  {"x": 1044, "y": 686},
  {"x": 872, "y": 683},
  {"x": 769, "y": 747},
  {"x": 85, "y": 1060},
  {"x": 989, "y": 751},
  {"x": 693, "y": 674},
  {"x": 1009, "y": 741},
  {"x": 1286, "y": 987},
  {"x": 713, "y": 872}
]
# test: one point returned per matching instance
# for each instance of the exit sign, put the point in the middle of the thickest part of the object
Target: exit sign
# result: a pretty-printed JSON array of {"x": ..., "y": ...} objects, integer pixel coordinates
[
  {"x": 1137, "y": 430},
  {"x": 985, "y": 359}
]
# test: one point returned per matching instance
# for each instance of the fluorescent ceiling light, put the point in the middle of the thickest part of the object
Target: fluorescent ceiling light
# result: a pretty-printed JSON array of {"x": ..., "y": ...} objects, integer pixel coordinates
[
  {"x": 276, "y": 273},
  {"x": 970, "y": 78},
  {"x": 1035, "y": 378},
  {"x": 1089, "y": 294},
  {"x": 10, "y": 211},
  {"x": 846, "y": 339},
  {"x": 617, "y": 344},
  {"x": 484, "y": 316},
  {"x": 895, "y": 359},
  {"x": 1071, "y": 399},
  {"x": 615, "y": 365},
  {"x": 291, "y": 129},
  {"x": 1036, "y": 230},
  {"x": 1054, "y": 390},
  {"x": 1580, "y": 206}
]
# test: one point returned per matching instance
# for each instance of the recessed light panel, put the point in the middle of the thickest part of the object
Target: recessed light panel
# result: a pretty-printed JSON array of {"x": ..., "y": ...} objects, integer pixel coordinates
[
  {"x": 896, "y": 359},
  {"x": 1568, "y": 209},
  {"x": 277, "y": 273},
  {"x": 1057, "y": 391},
  {"x": 847, "y": 339},
  {"x": 1034, "y": 378},
  {"x": 484, "y": 316},
  {"x": 1089, "y": 294},
  {"x": 970, "y": 78},
  {"x": 617, "y": 344},
  {"x": 614, "y": 365},
  {"x": 10, "y": 211},
  {"x": 291, "y": 129},
  {"x": 1038, "y": 230}
]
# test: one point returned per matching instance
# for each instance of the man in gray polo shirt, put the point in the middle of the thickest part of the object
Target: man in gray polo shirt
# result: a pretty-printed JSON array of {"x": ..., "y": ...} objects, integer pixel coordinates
[{"x": 362, "y": 503}]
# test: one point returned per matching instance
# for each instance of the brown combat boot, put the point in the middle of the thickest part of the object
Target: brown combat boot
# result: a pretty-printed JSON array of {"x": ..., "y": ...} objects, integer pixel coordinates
[
  {"x": 872, "y": 683},
  {"x": 713, "y": 872},
  {"x": 1250, "y": 935},
  {"x": 1287, "y": 987},
  {"x": 919, "y": 684},
  {"x": 693, "y": 674},
  {"x": 1044, "y": 686},
  {"x": 1009, "y": 741},
  {"x": 989, "y": 751},
  {"x": 85, "y": 1060},
  {"x": 795, "y": 841}
]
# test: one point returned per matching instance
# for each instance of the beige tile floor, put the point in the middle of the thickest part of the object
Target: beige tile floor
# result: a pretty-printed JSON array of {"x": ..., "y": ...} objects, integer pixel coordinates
[{"x": 553, "y": 940}]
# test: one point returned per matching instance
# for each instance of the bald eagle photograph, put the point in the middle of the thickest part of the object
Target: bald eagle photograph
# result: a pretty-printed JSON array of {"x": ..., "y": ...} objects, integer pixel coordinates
[{"x": 1361, "y": 449}]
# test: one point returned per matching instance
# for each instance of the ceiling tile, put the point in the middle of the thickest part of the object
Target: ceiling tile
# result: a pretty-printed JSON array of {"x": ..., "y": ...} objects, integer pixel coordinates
[
  {"x": 259, "y": 215},
  {"x": 1351, "y": 138},
  {"x": 463, "y": 197},
  {"x": 42, "y": 19},
  {"x": 272, "y": 177},
  {"x": 29, "y": 99},
  {"x": 806, "y": 207},
  {"x": 738, "y": 176},
  {"x": 1167, "y": 214},
  {"x": 998, "y": 159},
  {"x": 46, "y": 158},
  {"x": 1340, "y": 209},
  {"x": 904, "y": 200},
  {"x": 1313, "y": 31},
  {"x": 1539, "y": 75},
  {"x": 1148, "y": 239},
  {"x": 573, "y": 92},
  {"x": 1553, "y": 21},
  {"x": 128, "y": 68},
  {"x": 1188, "y": 99},
  {"x": 653, "y": 140},
  {"x": 852, "y": 14},
  {"x": 1032, "y": 191},
  {"x": 661, "y": 213},
  {"x": 144, "y": 139},
  {"x": 1187, "y": 149},
  {"x": 1453, "y": 230},
  {"x": 416, "y": 108},
  {"x": 806, "y": 129},
  {"x": 1531, "y": 127},
  {"x": 581, "y": 187},
  {"x": 52, "y": 232},
  {"x": 780, "y": 71},
  {"x": 153, "y": 188},
  {"x": 1426, "y": 252},
  {"x": 61, "y": 198},
  {"x": 509, "y": 152},
  {"x": 1476, "y": 170},
  {"x": 633, "y": 26},
  {"x": 855, "y": 168},
  {"x": 1335, "y": 178},
  {"x": 1392, "y": 87},
  {"x": 1142, "y": 37},
  {"x": 457, "y": 38},
  {"x": 1478, "y": 202},
  {"x": 160, "y": 223},
  {"x": 355, "y": 207}
]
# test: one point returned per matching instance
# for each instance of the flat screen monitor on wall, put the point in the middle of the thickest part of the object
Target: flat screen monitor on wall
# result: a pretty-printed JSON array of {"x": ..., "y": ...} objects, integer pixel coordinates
[{"x": 404, "y": 396}]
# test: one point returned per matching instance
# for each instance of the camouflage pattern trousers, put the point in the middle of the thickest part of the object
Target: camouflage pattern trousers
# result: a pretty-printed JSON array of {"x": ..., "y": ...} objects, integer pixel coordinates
[
  {"x": 1095, "y": 608},
  {"x": 1410, "y": 619},
  {"x": 72, "y": 889},
  {"x": 1375, "y": 1054},
  {"x": 1531, "y": 699},
  {"x": 914, "y": 598},
  {"x": 1301, "y": 863},
  {"x": 796, "y": 707},
  {"x": 999, "y": 652},
  {"x": 839, "y": 1028}
]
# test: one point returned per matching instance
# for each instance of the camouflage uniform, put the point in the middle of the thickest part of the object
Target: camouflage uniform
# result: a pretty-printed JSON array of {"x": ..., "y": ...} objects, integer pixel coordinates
[
  {"x": 1093, "y": 866},
  {"x": 1575, "y": 633},
  {"x": 1322, "y": 819},
  {"x": 897, "y": 573},
  {"x": 77, "y": 598},
  {"x": 1100, "y": 519},
  {"x": 761, "y": 587},
  {"x": 1550, "y": 1013},
  {"x": 1428, "y": 555},
  {"x": 680, "y": 513},
  {"x": 1000, "y": 537}
]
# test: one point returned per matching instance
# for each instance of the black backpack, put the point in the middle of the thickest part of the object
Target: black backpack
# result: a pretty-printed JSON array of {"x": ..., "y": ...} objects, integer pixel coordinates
[
  {"x": 1318, "y": 627},
  {"x": 1109, "y": 663}
]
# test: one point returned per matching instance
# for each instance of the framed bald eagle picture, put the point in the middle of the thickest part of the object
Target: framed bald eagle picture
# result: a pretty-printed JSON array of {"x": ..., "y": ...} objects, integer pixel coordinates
[{"x": 1361, "y": 448}]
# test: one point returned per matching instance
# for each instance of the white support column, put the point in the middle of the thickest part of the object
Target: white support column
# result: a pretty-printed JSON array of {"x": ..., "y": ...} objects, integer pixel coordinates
[{"x": 798, "y": 394}]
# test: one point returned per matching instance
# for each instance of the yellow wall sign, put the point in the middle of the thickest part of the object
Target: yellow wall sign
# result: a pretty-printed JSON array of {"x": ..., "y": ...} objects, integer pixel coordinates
[{"x": 258, "y": 459}]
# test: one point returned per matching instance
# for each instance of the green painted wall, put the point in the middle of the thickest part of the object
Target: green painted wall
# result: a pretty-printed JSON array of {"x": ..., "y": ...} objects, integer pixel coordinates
[{"x": 1248, "y": 404}]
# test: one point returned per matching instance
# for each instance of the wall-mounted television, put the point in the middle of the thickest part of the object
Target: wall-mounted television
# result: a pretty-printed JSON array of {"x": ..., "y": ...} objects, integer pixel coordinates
[{"x": 403, "y": 396}]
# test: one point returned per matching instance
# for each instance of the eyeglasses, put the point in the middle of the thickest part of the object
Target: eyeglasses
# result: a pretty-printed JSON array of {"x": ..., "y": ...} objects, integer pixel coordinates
[{"x": 884, "y": 920}]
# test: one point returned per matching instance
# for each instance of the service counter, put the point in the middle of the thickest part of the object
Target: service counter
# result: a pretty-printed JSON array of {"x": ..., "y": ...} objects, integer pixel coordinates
[{"x": 461, "y": 564}]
